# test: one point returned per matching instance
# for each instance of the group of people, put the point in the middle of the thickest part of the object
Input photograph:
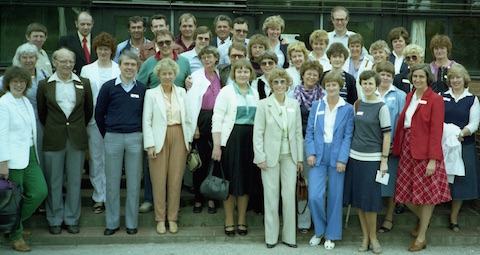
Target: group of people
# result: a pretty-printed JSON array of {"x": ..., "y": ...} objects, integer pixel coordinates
[{"x": 263, "y": 111}]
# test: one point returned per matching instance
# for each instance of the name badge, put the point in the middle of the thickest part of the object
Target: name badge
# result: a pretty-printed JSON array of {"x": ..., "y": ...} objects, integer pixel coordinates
[
  {"x": 359, "y": 113},
  {"x": 422, "y": 102},
  {"x": 446, "y": 99},
  {"x": 134, "y": 96},
  {"x": 321, "y": 113},
  {"x": 290, "y": 110},
  {"x": 390, "y": 98},
  {"x": 79, "y": 86},
  {"x": 405, "y": 81}
]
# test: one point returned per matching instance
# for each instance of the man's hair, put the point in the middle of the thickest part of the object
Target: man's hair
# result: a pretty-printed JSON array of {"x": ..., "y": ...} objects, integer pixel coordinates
[
  {"x": 202, "y": 30},
  {"x": 339, "y": 8},
  {"x": 136, "y": 19},
  {"x": 158, "y": 16},
  {"x": 83, "y": 12},
  {"x": 128, "y": 54},
  {"x": 240, "y": 20},
  {"x": 187, "y": 16},
  {"x": 222, "y": 17},
  {"x": 35, "y": 27}
]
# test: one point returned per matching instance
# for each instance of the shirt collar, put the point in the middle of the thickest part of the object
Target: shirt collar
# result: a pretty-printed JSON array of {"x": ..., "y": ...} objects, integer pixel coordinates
[
  {"x": 119, "y": 81},
  {"x": 55, "y": 78},
  {"x": 341, "y": 101},
  {"x": 464, "y": 94},
  {"x": 81, "y": 36},
  {"x": 390, "y": 88}
]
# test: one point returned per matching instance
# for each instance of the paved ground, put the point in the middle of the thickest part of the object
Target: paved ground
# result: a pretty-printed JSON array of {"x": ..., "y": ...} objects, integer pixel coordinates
[{"x": 231, "y": 249}]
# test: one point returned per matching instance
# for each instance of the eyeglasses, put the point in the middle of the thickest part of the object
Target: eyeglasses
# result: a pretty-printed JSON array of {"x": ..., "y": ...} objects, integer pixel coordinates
[
  {"x": 267, "y": 63},
  {"x": 64, "y": 62},
  {"x": 161, "y": 43},
  {"x": 240, "y": 31},
  {"x": 281, "y": 82},
  {"x": 239, "y": 56},
  {"x": 413, "y": 57},
  {"x": 15, "y": 83},
  {"x": 200, "y": 38},
  {"x": 339, "y": 20},
  {"x": 209, "y": 56}
]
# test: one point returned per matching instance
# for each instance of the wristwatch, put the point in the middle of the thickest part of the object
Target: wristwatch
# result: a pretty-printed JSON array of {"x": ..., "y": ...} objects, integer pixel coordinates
[{"x": 384, "y": 156}]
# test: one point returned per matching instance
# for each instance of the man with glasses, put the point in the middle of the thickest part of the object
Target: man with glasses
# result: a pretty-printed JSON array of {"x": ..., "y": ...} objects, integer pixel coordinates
[
  {"x": 202, "y": 38},
  {"x": 240, "y": 32},
  {"x": 236, "y": 51},
  {"x": 136, "y": 28},
  {"x": 65, "y": 106},
  {"x": 223, "y": 29}
]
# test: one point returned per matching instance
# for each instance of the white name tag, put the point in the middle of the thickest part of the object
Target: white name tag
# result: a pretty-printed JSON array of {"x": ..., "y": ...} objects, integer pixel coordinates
[
  {"x": 405, "y": 81},
  {"x": 390, "y": 98},
  {"x": 320, "y": 112},
  {"x": 359, "y": 113},
  {"x": 134, "y": 96},
  {"x": 422, "y": 102},
  {"x": 290, "y": 110},
  {"x": 79, "y": 86},
  {"x": 446, "y": 99}
]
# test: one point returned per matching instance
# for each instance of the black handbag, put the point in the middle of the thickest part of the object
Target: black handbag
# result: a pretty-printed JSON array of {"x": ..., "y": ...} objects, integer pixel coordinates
[
  {"x": 10, "y": 206},
  {"x": 214, "y": 187}
]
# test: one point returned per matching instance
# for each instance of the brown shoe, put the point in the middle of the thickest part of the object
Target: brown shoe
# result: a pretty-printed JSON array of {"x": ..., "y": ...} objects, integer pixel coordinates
[
  {"x": 414, "y": 232},
  {"x": 20, "y": 245},
  {"x": 417, "y": 246}
]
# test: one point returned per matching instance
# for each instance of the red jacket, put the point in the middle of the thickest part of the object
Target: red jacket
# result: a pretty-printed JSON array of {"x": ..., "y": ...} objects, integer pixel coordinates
[{"x": 426, "y": 128}]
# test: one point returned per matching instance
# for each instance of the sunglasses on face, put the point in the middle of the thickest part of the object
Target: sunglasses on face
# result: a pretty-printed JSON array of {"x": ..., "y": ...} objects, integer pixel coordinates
[
  {"x": 161, "y": 43},
  {"x": 414, "y": 58}
]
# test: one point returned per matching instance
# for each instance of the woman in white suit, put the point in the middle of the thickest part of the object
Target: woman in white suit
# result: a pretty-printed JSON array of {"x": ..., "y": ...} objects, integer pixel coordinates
[
  {"x": 99, "y": 72},
  {"x": 278, "y": 148},
  {"x": 167, "y": 137},
  {"x": 18, "y": 152},
  {"x": 356, "y": 63}
]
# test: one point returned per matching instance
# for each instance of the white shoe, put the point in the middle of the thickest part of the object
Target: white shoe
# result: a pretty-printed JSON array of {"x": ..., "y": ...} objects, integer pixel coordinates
[
  {"x": 145, "y": 207},
  {"x": 314, "y": 241},
  {"x": 329, "y": 244}
]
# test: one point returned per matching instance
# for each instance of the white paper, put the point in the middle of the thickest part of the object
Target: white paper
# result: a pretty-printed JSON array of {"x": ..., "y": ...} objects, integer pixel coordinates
[{"x": 382, "y": 180}]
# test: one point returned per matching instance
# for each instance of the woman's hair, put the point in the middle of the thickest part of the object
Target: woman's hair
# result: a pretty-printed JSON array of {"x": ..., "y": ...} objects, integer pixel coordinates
[
  {"x": 268, "y": 54},
  {"x": 385, "y": 66},
  {"x": 107, "y": 40},
  {"x": 365, "y": 75},
  {"x": 273, "y": 22},
  {"x": 439, "y": 41},
  {"x": 257, "y": 39},
  {"x": 16, "y": 72},
  {"x": 209, "y": 50},
  {"x": 395, "y": 33},
  {"x": 337, "y": 49},
  {"x": 279, "y": 73},
  {"x": 333, "y": 76},
  {"x": 26, "y": 48},
  {"x": 166, "y": 63},
  {"x": 380, "y": 45},
  {"x": 414, "y": 49},
  {"x": 459, "y": 70},
  {"x": 311, "y": 65},
  {"x": 297, "y": 46},
  {"x": 243, "y": 63},
  {"x": 320, "y": 36},
  {"x": 426, "y": 69},
  {"x": 355, "y": 38}
]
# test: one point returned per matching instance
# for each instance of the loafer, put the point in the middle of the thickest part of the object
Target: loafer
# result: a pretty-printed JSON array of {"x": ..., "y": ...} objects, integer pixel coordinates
[
  {"x": 132, "y": 231},
  {"x": 55, "y": 230},
  {"x": 161, "y": 229},
  {"x": 172, "y": 227},
  {"x": 109, "y": 232},
  {"x": 145, "y": 207},
  {"x": 98, "y": 207},
  {"x": 73, "y": 229},
  {"x": 270, "y": 246},
  {"x": 212, "y": 210},
  {"x": 20, "y": 245},
  {"x": 290, "y": 245}
]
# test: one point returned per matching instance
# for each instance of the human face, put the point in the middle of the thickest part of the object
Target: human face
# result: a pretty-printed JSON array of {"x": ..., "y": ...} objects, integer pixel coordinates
[
  {"x": 386, "y": 79},
  {"x": 273, "y": 33},
  {"x": 310, "y": 78},
  {"x": 337, "y": 61},
  {"x": 166, "y": 76},
  {"x": 165, "y": 44},
  {"x": 64, "y": 63},
  {"x": 28, "y": 61},
  {"x": 223, "y": 29},
  {"x": 17, "y": 87},
  {"x": 257, "y": 49},
  {"x": 187, "y": 28},
  {"x": 158, "y": 24},
  {"x": 379, "y": 55},
  {"x": 84, "y": 24},
  {"x": 298, "y": 58},
  {"x": 104, "y": 53},
  {"x": 202, "y": 40},
  {"x": 419, "y": 80},
  {"x": 242, "y": 75},
  {"x": 332, "y": 88},
  {"x": 209, "y": 61},
  {"x": 236, "y": 55},
  {"x": 398, "y": 45},
  {"x": 457, "y": 82},
  {"x": 267, "y": 65},
  {"x": 355, "y": 50},
  {"x": 128, "y": 68},
  {"x": 340, "y": 21},
  {"x": 279, "y": 86},
  {"x": 440, "y": 52},
  {"x": 369, "y": 87},
  {"x": 319, "y": 47},
  {"x": 37, "y": 38},
  {"x": 413, "y": 59},
  {"x": 240, "y": 32},
  {"x": 136, "y": 30}
]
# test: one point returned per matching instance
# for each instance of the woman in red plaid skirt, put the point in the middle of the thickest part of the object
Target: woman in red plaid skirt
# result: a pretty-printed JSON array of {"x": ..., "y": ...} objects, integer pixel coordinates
[{"x": 421, "y": 178}]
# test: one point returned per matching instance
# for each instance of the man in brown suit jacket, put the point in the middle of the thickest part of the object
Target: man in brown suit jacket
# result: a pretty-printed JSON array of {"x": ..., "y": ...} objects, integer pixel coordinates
[{"x": 65, "y": 106}]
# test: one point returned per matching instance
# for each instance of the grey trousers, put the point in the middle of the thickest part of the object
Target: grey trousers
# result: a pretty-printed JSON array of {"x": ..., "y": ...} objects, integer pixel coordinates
[
  {"x": 96, "y": 162},
  {"x": 120, "y": 147},
  {"x": 66, "y": 164}
]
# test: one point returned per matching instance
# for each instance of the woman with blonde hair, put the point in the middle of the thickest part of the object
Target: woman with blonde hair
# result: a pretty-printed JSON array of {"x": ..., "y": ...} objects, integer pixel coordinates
[{"x": 273, "y": 27}]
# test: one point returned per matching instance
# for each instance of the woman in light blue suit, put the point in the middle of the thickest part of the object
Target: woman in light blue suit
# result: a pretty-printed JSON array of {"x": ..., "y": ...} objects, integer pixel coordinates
[{"x": 327, "y": 141}]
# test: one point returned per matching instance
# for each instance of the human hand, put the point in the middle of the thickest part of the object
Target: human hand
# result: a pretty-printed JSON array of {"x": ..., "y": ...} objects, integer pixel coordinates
[
  {"x": 188, "y": 82},
  {"x": 311, "y": 160},
  {"x": 383, "y": 168},
  {"x": 300, "y": 168},
  {"x": 216, "y": 153},
  {"x": 341, "y": 167},
  {"x": 262, "y": 165},
  {"x": 430, "y": 167},
  {"x": 196, "y": 135},
  {"x": 151, "y": 152}
]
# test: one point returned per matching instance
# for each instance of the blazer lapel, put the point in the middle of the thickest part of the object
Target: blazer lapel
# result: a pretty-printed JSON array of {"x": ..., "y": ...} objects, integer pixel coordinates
[
  {"x": 320, "y": 117},
  {"x": 274, "y": 111},
  {"x": 180, "y": 102},
  {"x": 160, "y": 101},
  {"x": 291, "y": 116},
  {"x": 79, "y": 92},
  {"x": 80, "y": 48},
  {"x": 339, "y": 118}
]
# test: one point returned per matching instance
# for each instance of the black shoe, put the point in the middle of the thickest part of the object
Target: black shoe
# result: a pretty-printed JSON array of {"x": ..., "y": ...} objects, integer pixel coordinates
[
  {"x": 212, "y": 210},
  {"x": 242, "y": 232},
  {"x": 270, "y": 246},
  {"x": 131, "y": 231},
  {"x": 55, "y": 230},
  {"x": 73, "y": 229},
  {"x": 290, "y": 245},
  {"x": 399, "y": 209},
  {"x": 230, "y": 232},
  {"x": 198, "y": 209},
  {"x": 109, "y": 232}
]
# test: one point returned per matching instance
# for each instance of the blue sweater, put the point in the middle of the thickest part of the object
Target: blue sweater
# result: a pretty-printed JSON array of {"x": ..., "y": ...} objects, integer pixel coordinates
[{"x": 118, "y": 111}]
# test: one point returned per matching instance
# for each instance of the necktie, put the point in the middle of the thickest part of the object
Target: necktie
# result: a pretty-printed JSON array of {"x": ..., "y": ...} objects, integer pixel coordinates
[{"x": 85, "y": 50}]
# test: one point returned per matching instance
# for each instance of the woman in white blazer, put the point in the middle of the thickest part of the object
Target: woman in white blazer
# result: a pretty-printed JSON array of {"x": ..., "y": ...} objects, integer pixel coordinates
[
  {"x": 99, "y": 72},
  {"x": 232, "y": 131},
  {"x": 18, "y": 152},
  {"x": 278, "y": 148},
  {"x": 201, "y": 100},
  {"x": 167, "y": 137},
  {"x": 356, "y": 63}
]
